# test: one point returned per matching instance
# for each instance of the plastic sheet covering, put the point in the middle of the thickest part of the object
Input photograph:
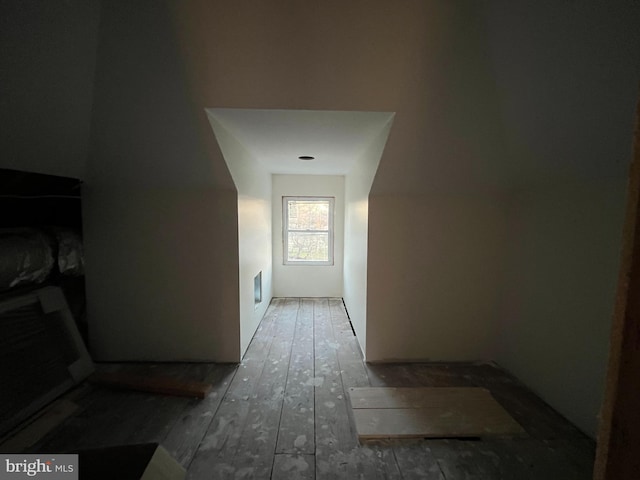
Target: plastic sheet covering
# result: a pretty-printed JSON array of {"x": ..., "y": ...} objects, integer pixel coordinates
[
  {"x": 26, "y": 257},
  {"x": 70, "y": 252}
]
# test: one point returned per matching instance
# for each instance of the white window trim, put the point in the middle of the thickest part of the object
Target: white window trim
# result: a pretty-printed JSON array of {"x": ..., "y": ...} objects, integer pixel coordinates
[{"x": 285, "y": 231}]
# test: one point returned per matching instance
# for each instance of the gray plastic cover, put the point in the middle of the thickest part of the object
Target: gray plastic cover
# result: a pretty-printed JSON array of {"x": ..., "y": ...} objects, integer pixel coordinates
[
  {"x": 26, "y": 256},
  {"x": 70, "y": 252}
]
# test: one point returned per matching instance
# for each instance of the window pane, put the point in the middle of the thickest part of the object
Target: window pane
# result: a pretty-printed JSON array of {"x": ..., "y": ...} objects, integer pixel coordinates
[
  {"x": 306, "y": 247},
  {"x": 308, "y": 215}
]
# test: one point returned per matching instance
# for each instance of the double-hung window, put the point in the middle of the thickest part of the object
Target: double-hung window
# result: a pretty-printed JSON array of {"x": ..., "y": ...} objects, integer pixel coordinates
[{"x": 308, "y": 230}]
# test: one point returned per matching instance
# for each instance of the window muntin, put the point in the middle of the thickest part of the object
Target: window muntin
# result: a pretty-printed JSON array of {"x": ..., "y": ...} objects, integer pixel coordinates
[{"x": 308, "y": 230}]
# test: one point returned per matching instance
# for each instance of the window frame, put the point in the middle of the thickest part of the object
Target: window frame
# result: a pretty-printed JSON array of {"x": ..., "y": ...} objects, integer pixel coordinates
[{"x": 286, "y": 230}]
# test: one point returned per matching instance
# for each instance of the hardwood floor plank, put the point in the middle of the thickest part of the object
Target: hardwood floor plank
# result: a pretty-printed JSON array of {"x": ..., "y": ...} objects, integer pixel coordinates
[
  {"x": 415, "y": 460},
  {"x": 293, "y": 467},
  {"x": 377, "y": 461},
  {"x": 335, "y": 436},
  {"x": 338, "y": 453},
  {"x": 101, "y": 411},
  {"x": 154, "y": 413},
  {"x": 532, "y": 459},
  {"x": 350, "y": 359},
  {"x": 154, "y": 419},
  {"x": 256, "y": 450},
  {"x": 296, "y": 433},
  {"x": 461, "y": 460},
  {"x": 187, "y": 433},
  {"x": 441, "y": 375},
  {"x": 117, "y": 418},
  {"x": 392, "y": 375},
  {"x": 216, "y": 453}
]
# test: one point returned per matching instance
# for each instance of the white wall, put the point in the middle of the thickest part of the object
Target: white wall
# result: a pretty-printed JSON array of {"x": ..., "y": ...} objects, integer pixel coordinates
[
  {"x": 253, "y": 183},
  {"x": 48, "y": 52},
  {"x": 159, "y": 206},
  {"x": 153, "y": 263},
  {"x": 356, "y": 231},
  {"x": 567, "y": 76},
  {"x": 305, "y": 280},
  {"x": 436, "y": 209},
  {"x": 435, "y": 267},
  {"x": 563, "y": 256}
]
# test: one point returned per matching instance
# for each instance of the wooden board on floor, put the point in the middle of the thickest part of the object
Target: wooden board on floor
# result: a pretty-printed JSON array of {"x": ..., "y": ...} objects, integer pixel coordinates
[
  {"x": 429, "y": 412},
  {"x": 162, "y": 385},
  {"x": 415, "y": 397}
]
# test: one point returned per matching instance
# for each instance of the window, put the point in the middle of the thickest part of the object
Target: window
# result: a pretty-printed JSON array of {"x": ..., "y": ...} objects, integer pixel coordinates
[{"x": 308, "y": 230}]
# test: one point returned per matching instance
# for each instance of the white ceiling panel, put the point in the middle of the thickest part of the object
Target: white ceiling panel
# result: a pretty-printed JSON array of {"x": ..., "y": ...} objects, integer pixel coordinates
[{"x": 276, "y": 138}]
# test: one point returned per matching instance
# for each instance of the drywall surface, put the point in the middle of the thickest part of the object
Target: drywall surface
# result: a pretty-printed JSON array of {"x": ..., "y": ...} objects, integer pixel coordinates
[
  {"x": 567, "y": 75},
  {"x": 305, "y": 280},
  {"x": 426, "y": 61},
  {"x": 434, "y": 272},
  {"x": 356, "y": 228},
  {"x": 563, "y": 254},
  {"x": 160, "y": 208},
  {"x": 48, "y": 52},
  {"x": 253, "y": 183},
  {"x": 153, "y": 288}
]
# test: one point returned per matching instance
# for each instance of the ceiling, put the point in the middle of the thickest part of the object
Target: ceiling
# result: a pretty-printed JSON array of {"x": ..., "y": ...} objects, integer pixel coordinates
[{"x": 276, "y": 138}]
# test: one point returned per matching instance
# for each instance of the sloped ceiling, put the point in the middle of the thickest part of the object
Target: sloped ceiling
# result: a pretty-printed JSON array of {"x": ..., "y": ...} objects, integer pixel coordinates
[
  {"x": 276, "y": 138},
  {"x": 486, "y": 95},
  {"x": 566, "y": 76}
]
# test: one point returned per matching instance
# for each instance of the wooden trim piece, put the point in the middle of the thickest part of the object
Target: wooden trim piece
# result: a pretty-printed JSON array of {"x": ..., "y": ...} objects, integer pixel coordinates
[
  {"x": 617, "y": 455},
  {"x": 162, "y": 385}
]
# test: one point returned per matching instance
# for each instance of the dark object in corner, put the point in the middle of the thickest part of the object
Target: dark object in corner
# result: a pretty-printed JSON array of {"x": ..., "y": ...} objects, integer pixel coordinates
[
  {"x": 41, "y": 354},
  {"x": 49, "y": 207},
  {"x": 148, "y": 461},
  {"x": 32, "y": 199},
  {"x": 29, "y": 256}
]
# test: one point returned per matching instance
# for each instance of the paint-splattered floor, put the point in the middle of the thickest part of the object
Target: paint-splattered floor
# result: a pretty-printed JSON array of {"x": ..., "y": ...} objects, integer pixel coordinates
[{"x": 283, "y": 414}]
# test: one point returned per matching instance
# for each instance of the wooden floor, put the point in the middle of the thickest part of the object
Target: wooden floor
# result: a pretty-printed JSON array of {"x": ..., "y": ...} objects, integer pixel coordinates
[{"x": 283, "y": 414}]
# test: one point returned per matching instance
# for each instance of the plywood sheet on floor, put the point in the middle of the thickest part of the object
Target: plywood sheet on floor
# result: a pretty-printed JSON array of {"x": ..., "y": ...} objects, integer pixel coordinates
[{"x": 434, "y": 412}]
